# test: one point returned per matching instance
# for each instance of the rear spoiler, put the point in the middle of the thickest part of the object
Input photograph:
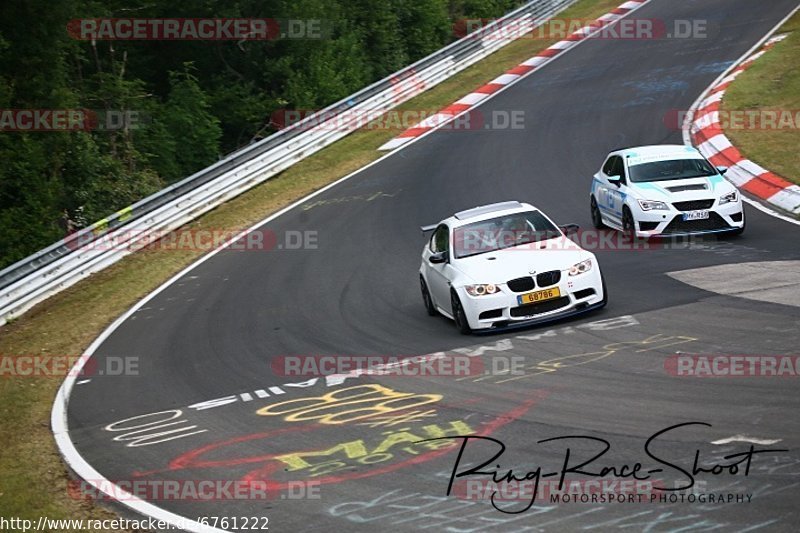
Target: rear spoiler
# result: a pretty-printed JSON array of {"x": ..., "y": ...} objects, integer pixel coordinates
[{"x": 426, "y": 229}]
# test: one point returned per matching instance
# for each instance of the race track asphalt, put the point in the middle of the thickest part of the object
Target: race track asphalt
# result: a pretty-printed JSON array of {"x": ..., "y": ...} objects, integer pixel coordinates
[{"x": 218, "y": 331}]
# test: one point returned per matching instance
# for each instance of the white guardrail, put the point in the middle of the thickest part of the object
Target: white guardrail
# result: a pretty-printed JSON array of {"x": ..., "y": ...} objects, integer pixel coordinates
[{"x": 64, "y": 263}]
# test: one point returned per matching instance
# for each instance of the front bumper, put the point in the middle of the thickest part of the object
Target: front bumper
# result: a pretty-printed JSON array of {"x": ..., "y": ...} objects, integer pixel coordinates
[
  {"x": 502, "y": 310},
  {"x": 723, "y": 218}
]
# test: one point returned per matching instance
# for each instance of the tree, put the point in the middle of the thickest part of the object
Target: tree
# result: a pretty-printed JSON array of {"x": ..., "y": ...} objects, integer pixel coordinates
[
  {"x": 194, "y": 100},
  {"x": 187, "y": 115}
]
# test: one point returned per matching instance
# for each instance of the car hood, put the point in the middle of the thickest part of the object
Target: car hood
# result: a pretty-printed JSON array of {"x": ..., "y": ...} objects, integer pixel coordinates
[
  {"x": 526, "y": 260},
  {"x": 683, "y": 190}
]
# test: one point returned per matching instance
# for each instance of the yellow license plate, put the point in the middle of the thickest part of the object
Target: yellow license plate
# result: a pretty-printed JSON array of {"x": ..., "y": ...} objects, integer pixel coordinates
[{"x": 539, "y": 296}]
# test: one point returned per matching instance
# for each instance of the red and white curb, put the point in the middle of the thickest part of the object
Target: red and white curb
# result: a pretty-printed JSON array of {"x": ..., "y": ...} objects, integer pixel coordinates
[
  {"x": 706, "y": 133},
  {"x": 511, "y": 76}
]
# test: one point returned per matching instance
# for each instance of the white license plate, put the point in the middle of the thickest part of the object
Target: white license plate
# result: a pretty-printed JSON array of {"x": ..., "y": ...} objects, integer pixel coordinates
[{"x": 696, "y": 215}]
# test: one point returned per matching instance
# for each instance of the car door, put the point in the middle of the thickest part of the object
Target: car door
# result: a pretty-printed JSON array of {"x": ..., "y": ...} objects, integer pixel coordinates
[
  {"x": 438, "y": 273},
  {"x": 600, "y": 187},
  {"x": 611, "y": 197}
]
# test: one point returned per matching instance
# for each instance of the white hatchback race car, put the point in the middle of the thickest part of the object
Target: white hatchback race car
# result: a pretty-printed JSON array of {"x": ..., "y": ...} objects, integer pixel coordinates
[
  {"x": 667, "y": 190},
  {"x": 504, "y": 265}
]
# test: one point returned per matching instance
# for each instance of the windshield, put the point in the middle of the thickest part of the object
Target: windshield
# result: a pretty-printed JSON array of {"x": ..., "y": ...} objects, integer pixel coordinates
[
  {"x": 677, "y": 169},
  {"x": 502, "y": 232}
]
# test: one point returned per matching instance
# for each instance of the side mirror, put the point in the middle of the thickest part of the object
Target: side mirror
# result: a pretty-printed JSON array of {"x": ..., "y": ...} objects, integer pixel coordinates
[
  {"x": 615, "y": 180},
  {"x": 437, "y": 259},
  {"x": 722, "y": 170},
  {"x": 570, "y": 229}
]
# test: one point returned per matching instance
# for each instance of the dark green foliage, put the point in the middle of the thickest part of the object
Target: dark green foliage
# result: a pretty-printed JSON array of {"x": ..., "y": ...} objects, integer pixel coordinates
[{"x": 190, "y": 102}]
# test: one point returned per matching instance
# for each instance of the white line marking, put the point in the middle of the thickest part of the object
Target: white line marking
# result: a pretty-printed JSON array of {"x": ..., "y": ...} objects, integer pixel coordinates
[
  {"x": 471, "y": 98},
  {"x": 535, "y": 61},
  {"x": 689, "y": 119},
  {"x": 742, "y": 438},
  {"x": 395, "y": 146},
  {"x": 504, "y": 79},
  {"x": 58, "y": 418}
]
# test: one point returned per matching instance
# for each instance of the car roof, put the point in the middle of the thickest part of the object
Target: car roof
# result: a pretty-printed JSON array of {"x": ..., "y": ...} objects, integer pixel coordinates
[
  {"x": 658, "y": 152},
  {"x": 486, "y": 209},
  {"x": 486, "y": 212}
]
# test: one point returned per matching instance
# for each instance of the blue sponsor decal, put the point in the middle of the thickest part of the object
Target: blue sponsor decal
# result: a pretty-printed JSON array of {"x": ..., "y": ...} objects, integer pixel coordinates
[
  {"x": 715, "y": 180},
  {"x": 606, "y": 198},
  {"x": 651, "y": 186}
]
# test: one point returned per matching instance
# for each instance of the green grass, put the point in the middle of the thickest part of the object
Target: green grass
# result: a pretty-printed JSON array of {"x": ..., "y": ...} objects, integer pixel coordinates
[
  {"x": 33, "y": 478},
  {"x": 771, "y": 83}
]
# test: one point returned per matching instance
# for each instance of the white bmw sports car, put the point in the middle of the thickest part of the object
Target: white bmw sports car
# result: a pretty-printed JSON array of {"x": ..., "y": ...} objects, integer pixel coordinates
[
  {"x": 505, "y": 265},
  {"x": 667, "y": 190}
]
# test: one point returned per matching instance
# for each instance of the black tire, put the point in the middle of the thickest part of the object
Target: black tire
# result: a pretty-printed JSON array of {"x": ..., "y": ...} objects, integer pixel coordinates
[
  {"x": 628, "y": 225},
  {"x": 459, "y": 316},
  {"x": 426, "y": 298},
  {"x": 597, "y": 219}
]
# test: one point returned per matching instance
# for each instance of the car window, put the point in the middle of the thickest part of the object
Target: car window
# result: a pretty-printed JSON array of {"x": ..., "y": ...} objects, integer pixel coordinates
[
  {"x": 675, "y": 169},
  {"x": 609, "y": 165},
  {"x": 616, "y": 167},
  {"x": 440, "y": 239}
]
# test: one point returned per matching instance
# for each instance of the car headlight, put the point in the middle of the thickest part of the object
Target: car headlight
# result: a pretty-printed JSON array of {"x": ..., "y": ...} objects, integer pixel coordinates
[
  {"x": 580, "y": 268},
  {"x": 652, "y": 205},
  {"x": 482, "y": 290},
  {"x": 728, "y": 198}
]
